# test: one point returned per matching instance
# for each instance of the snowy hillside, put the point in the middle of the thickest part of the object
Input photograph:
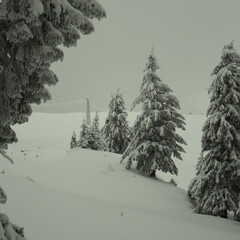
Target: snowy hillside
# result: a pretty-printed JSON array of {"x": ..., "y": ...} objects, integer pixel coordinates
[
  {"x": 83, "y": 194},
  {"x": 47, "y": 137}
]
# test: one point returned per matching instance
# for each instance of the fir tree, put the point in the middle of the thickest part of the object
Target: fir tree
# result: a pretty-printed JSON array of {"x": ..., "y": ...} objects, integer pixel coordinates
[
  {"x": 116, "y": 130},
  {"x": 84, "y": 134},
  {"x": 99, "y": 141},
  {"x": 216, "y": 186},
  {"x": 30, "y": 33},
  {"x": 154, "y": 139},
  {"x": 95, "y": 123},
  {"x": 73, "y": 143}
]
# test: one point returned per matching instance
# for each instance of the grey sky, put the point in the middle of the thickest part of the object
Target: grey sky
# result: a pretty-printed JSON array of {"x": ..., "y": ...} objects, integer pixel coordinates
[{"x": 188, "y": 37}]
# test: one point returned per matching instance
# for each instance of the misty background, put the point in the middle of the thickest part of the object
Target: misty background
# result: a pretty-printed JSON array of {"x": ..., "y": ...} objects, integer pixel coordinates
[{"x": 187, "y": 35}]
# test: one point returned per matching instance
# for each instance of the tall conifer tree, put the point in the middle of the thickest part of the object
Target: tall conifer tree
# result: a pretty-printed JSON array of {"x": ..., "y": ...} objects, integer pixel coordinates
[
  {"x": 155, "y": 142},
  {"x": 216, "y": 186}
]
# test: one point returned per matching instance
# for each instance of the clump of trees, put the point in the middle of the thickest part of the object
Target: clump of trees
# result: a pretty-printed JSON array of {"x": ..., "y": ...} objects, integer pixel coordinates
[{"x": 90, "y": 136}]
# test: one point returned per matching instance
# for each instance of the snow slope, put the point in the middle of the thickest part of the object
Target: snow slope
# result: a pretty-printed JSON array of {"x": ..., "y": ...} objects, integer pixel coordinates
[
  {"x": 59, "y": 194},
  {"x": 47, "y": 137},
  {"x": 89, "y": 195}
]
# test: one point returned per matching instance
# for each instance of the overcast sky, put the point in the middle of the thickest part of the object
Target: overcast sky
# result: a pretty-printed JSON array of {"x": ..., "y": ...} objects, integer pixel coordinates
[{"x": 187, "y": 35}]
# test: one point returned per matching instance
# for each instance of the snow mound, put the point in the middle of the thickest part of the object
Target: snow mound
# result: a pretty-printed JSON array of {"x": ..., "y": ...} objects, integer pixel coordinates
[{"x": 89, "y": 195}]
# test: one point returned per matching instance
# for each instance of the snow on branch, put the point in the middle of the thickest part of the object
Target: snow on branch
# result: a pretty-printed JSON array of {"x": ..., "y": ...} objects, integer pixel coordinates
[
  {"x": 4, "y": 154},
  {"x": 3, "y": 196}
]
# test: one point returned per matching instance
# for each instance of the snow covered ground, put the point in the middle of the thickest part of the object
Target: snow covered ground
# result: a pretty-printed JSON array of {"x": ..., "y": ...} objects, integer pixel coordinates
[{"x": 59, "y": 194}]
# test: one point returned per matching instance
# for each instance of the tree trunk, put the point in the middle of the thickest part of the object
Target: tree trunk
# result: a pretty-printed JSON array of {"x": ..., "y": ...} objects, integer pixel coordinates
[
  {"x": 223, "y": 214},
  {"x": 153, "y": 174}
]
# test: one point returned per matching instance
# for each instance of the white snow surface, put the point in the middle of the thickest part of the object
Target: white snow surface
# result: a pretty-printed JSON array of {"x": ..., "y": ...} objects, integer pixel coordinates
[{"x": 57, "y": 193}]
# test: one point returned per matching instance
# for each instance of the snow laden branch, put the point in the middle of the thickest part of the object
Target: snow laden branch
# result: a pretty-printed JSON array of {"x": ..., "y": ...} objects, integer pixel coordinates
[
  {"x": 30, "y": 36},
  {"x": 4, "y": 154},
  {"x": 8, "y": 231},
  {"x": 31, "y": 32}
]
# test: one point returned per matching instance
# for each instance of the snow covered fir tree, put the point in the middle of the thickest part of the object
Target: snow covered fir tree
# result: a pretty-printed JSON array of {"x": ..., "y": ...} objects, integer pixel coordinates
[
  {"x": 101, "y": 144},
  {"x": 31, "y": 31},
  {"x": 216, "y": 186},
  {"x": 155, "y": 142},
  {"x": 73, "y": 143},
  {"x": 116, "y": 130},
  {"x": 95, "y": 123},
  {"x": 85, "y": 134}
]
